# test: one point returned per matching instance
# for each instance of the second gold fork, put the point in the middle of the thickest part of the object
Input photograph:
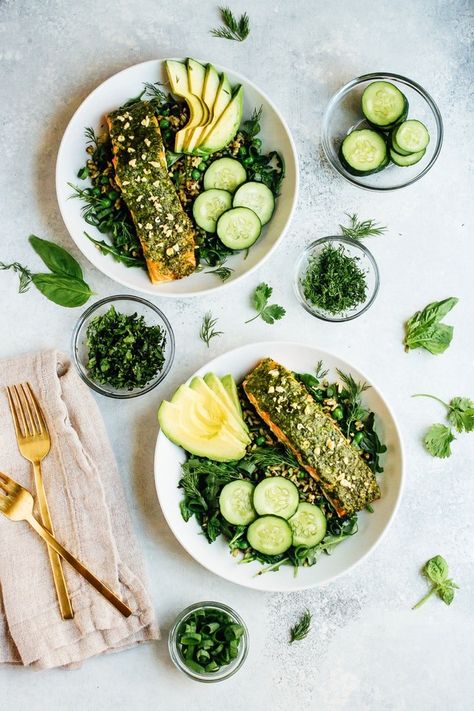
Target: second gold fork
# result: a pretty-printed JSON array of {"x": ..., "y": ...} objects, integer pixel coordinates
[{"x": 34, "y": 443}]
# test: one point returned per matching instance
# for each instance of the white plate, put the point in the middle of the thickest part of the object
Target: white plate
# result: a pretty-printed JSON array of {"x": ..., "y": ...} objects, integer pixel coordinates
[
  {"x": 216, "y": 556},
  {"x": 71, "y": 156}
]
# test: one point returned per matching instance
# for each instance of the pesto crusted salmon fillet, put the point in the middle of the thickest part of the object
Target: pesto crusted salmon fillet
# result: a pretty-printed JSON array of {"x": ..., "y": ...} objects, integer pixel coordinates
[
  {"x": 165, "y": 231},
  {"x": 300, "y": 423}
]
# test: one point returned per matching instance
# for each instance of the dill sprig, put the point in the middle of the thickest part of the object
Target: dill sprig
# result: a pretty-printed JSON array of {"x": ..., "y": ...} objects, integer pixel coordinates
[
  {"x": 358, "y": 229},
  {"x": 301, "y": 629},
  {"x": 24, "y": 275},
  {"x": 222, "y": 272},
  {"x": 208, "y": 330},
  {"x": 233, "y": 28}
]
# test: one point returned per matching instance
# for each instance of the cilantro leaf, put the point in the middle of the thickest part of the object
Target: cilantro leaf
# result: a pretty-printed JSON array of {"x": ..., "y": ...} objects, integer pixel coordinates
[
  {"x": 424, "y": 330},
  {"x": 268, "y": 312},
  {"x": 438, "y": 440},
  {"x": 461, "y": 414}
]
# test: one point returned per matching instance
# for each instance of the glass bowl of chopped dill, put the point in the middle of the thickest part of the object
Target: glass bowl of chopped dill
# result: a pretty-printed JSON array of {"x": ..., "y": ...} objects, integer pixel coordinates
[
  {"x": 337, "y": 279},
  {"x": 123, "y": 346},
  {"x": 209, "y": 641}
]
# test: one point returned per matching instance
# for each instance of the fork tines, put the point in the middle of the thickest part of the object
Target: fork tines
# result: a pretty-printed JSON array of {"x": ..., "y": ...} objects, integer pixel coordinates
[{"x": 26, "y": 412}]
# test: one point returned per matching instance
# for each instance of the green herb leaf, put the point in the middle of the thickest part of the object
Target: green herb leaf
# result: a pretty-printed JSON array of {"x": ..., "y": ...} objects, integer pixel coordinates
[
  {"x": 57, "y": 259},
  {"x": 24, "y": 275},
  {"x": 222, "y": 272},
  {"x": 358, "y": 229},
  {"x": 461, "y": 414},
  {"x": 438, "y": 440},
  {"x": 251, "y": 127},
  {"x": 436, "y": 570},
  {"x": 208, "y": 330},
  {"x": 269, "y": 313},
  {"x": 424, "y": 330},
  {"x": 233, "y": 28},
  {"x": 63, "y": 290},
  {"x": 117, "y": 254},
  {"x": 301, "y": 629}
]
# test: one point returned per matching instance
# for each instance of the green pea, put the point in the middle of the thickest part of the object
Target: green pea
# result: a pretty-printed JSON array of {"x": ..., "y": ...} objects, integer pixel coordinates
[
  {"x": 113, "y": 195},
  {"x": 358, "y": 438},
  {"x": 96, "y": 192},
  {"x": 257, "y": 142},
  {"x": 165, "y": 112},
  {"x": 167, "y": 134},
  {"x": 164, "y": 123},
  {"x": 104, "y": 180},
  {"x": 330, "y": 391},
  {"x": 338, "y": 413},
  {"x": 202, "y": 166},
  {"x": 248, "y": 161},
  {"x": 260, "y": 440},
  {"x": 195, "y": 174},
  {"x": 83, "y": 173},
  {"x": 105, "y": 202},
  {"x": 242, "y": 151}
]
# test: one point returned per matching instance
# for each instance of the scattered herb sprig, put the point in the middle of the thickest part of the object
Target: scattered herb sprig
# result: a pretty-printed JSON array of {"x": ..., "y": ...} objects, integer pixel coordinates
[
  {"x": 436, "y": 570},
  {"x": 301, "y": 629},
  {"x": 359, "y": 229},
  {"x": 460, "y": 414},
  {"x": 425, "y": 330},
  {"x": 208, "y": 328},
  {"x": 222, "y": 272},
  {"x": 437, "y": 440},
  {"x": 24, "y": 275},
  {"x": 233, "y": 28},
  {"x": 268, "y": 312}
]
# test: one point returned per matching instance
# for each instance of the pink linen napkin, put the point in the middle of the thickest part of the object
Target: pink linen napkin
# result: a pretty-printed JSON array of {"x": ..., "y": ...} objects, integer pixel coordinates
[{"x": 90, "y": 517}]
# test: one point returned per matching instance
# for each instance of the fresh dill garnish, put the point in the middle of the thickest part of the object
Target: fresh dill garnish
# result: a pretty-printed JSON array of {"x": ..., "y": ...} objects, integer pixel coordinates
[
  {"x": 358, "y": 229},
  {"x": 320, "y": 371},
  {"x": 233, "y": 28},
  {"x": 222, "y": 272},
  {"x": 24, "y": 275},
  {"x": 208, "y": 329},
  {"x": 301, "y": 629}
]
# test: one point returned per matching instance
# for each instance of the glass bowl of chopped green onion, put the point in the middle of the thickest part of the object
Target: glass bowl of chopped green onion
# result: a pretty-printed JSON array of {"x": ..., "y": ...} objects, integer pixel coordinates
[
  {"x": 123, "y": 346},
  {"x": 336, "y": 279},
  {"x": 208, "y": 641}
]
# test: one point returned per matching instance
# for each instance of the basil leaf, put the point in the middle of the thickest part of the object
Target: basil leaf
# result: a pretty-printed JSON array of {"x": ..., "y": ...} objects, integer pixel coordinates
[
  {"x": 57, "y": 259},
  {"x": 63, "y": 290},
  {"x": 436, "y": 569},
  {"x": 424, "y": 330}
]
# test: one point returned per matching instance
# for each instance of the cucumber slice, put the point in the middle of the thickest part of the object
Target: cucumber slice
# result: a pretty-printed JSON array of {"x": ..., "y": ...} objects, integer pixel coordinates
[
  {"x": 270, "y": 535},
  {"x": 383, "y": 104},
  {"x": 395, "y": 146},
  {"x": 258, "y": 198},
  {"x": 235, "y": 502},
  {"x": 404, "y": 161},
  {"x": 308, "y": 525},
  {"x": 209, "y": 206},
  {"x": 412, "y": 136},
  {"x": 225, "y": 174},
  {"x": 239, "y": 228},
  {"x": 364, "y": 152},
  {"x": 276, "y": 495}
]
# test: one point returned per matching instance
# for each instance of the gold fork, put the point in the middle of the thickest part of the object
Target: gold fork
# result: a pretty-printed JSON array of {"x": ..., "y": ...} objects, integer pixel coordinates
[
  {"x": 16, "y": 503},
  {"x": 34, "y": 443}
]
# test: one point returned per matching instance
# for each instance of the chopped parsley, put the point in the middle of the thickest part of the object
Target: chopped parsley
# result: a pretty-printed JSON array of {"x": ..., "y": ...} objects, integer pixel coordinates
[{"x": 123, "y": 351}]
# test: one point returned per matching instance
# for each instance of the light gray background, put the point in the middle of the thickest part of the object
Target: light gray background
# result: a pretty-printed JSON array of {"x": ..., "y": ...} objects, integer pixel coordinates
[{"x": 367, "y": 649}]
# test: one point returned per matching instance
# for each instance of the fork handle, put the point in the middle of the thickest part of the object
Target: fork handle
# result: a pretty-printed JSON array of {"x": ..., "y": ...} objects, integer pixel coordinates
[
  {"x": 77, "y": 565},
  {"x": 64, "y": 600}
]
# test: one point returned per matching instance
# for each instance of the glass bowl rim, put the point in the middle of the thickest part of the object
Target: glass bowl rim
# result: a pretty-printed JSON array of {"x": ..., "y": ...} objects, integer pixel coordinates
[
  {"x": 374, "y": 76},
  {"x": 344, "y": 240},
  {"x": 126, "y": 395},
  {"x": 173, "y": 647}
]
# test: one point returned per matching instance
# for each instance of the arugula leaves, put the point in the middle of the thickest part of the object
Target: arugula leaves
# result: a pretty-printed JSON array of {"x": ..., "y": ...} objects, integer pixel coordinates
[
  {"x": 269, "y": 313},
  {"x": 302, "y": 628},
  {"x": 233, "y": 28},
  {"x": 424, "y": 330},
  {"x": 436, "y": 570},
  {"x": 460, "y": 414}
]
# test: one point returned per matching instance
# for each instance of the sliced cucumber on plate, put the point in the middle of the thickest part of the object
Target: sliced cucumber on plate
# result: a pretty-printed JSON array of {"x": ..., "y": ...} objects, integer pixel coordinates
[
  {"x": 276, "y": 495},
  {"x": 236, "y": 502},
  {"x": 308, "y": 525},
  {"x": 270, "y": 535},
  {"x": 239, "y": 228},
  {"x": 258, "y": 198},
  {"x": 209, "y": 206},
  {"x": 225, "y": 174}
]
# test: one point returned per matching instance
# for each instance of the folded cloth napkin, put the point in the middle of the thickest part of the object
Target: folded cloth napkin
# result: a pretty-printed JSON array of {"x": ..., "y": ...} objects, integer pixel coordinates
[{"x": 90, "y": 518}]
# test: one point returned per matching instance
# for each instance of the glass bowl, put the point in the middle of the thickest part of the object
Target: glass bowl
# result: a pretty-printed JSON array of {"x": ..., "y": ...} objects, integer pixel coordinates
[
  {"x": 344, "y": 114},
  {"x": 353, "y": 249},
  {"x": 128, "y": 305},
  {"x": 224, "y": 672}
]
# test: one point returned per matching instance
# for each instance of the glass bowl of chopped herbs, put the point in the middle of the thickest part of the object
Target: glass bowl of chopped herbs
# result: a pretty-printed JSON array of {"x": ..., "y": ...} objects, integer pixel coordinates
[
  {"x": 337, "y": 279},
  {"x": 208, "y": 641},
  {"x": 123, "y": 346}
]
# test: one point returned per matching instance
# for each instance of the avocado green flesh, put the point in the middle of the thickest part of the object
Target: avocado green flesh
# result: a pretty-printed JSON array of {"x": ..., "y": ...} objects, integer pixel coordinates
[
  {"x": 196, "y": 76},
  {"x": 227, "y": 125},
  {"x": 179, "y": 82},
  {"x": 216, "y": 385},
  {"x": 215, "y": 406},
  {"x": 230, "y": 385}
]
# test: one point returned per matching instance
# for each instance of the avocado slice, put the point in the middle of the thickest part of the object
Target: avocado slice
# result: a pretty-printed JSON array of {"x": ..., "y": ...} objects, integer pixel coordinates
[
  {"x": 215, "y": 406},
  {"x": 217, "y": 386},
  {"x": 209, "y": 95},
  {"x": 222, "y": 100},
  {"x": 178, "y": 423},
  {"x": 230, "y": 385},
  {"x": 179, "y": 83},
  {"x": 196, "y": 77},
  {"x": 226, "y": 126}
]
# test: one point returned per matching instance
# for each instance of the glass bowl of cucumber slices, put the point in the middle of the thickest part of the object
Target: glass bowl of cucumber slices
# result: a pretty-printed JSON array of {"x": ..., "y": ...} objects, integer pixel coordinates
[{"x": 382, "y": 131}]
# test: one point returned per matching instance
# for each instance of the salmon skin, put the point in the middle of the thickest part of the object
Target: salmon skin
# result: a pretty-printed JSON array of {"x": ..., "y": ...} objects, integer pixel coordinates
[
  {"x": 300, "y": 423},
  {"x": 165, "y": 231}
]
